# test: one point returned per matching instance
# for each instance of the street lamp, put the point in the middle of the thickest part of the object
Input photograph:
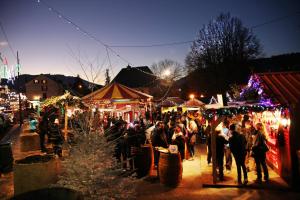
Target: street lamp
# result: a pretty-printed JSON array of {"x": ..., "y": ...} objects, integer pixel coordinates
[
  {"x": 166, "y": 73},
  {"x": 192, "y": 96}
]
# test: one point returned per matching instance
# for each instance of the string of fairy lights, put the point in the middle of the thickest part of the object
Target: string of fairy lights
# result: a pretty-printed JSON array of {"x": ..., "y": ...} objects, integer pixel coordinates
[
  {"x": 107, "y": 47},
  {"x": 110, "y": 47}
]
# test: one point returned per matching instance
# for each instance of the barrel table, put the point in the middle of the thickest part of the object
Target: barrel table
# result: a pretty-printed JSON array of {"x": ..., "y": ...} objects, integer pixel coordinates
[
  {"x": 144, "y": 160},
  {"x": 170, "y": 169}
]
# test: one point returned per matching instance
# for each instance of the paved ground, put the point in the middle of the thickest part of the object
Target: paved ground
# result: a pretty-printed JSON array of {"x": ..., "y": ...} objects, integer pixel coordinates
[{"x": 197, "y": 172}]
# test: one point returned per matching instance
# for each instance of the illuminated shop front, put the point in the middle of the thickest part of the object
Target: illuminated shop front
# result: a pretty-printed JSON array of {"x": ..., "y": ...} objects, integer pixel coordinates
[{"x": 277, "y": 107}]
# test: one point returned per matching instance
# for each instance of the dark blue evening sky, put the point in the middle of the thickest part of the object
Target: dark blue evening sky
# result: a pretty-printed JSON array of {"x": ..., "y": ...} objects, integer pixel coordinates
[{"x": 45, "y": 41}]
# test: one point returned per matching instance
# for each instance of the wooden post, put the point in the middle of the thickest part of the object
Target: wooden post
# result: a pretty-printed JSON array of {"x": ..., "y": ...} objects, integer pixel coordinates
[
  {"x": 66, "y": 122},
  {"x": 294, "y": 144},
  {"x": 214, "y": 147}
]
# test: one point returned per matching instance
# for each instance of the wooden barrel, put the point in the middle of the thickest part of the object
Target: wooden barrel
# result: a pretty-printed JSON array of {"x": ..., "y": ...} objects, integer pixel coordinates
[
  {"x": 6, "y": 158},
  {"x": 170, "y": 169},
  {"x": 144, "y": 160}
]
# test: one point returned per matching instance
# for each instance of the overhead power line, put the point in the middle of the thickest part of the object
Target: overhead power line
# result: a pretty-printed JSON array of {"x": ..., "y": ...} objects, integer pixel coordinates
[
  {"x": 153, "y": 45},
  {"x": 191, "y": 41},
  {"x": 82, "y": 30},
  {"x": 110, "y": 47}
]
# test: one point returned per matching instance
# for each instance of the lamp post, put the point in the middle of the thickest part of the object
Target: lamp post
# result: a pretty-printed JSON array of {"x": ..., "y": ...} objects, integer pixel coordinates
[{"x": 19, "y": 90}]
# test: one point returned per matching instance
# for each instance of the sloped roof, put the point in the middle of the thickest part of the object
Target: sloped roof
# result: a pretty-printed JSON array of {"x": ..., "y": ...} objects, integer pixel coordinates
[
  {"x": 116, "y": 91},
  {"x": 193, "y": 103},
  {"x": 135, "y": 77},
  {"x": 282, "y": 86},
  {"x": 171, "y": 101}
]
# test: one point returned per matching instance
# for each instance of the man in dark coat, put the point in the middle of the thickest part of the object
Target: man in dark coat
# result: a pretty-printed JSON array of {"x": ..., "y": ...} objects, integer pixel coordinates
[
  {"x": 56, "y": 137},
  {"x": 158, "y": 139},
  {"x": 259, "y": 150},
  {"x": 220, "y": 143},
  {"x": 238, "y": 143}
]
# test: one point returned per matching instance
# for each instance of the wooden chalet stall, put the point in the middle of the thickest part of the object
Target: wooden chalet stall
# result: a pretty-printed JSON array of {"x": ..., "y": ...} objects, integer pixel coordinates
[
  {"x": 120, "y": 100},
  {"x": 170, "y": 104},
  {"x": 284, "y": 88},
  {"x": 192, "y": 105},
  {"x": 278, "y": 109}
]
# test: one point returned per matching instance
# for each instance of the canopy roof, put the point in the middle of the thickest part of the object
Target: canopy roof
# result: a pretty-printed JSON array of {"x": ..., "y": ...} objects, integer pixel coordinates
[
  {"x": 282, "y": 86},
  {"x": 171, "y": 101},
  {"x": 67, "y": 98},
  {"x": 115, "y": 91},
  {"x": 193, "y": 103}
]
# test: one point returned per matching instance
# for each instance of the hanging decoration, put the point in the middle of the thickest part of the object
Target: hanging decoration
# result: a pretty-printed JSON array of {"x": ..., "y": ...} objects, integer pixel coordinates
[
  {"x": 209, "y": 114},
  {"x": 60, "y": 101},
  {"x": 254, "y": 92}
]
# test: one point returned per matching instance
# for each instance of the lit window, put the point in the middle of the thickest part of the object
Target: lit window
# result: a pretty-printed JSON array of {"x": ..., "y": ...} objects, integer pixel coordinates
[{"x": 36, "y": 81}]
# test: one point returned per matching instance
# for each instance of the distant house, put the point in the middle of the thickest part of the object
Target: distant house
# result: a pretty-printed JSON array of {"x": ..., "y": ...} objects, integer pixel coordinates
[
  {"x": 140, "y": 78},
  {"x": 42, "y": 87}
]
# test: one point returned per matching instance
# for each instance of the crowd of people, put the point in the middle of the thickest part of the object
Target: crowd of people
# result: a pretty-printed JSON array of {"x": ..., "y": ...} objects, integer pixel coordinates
[
  {"x": 171, "y": 128},
  {"x": 243, "y": 141}
]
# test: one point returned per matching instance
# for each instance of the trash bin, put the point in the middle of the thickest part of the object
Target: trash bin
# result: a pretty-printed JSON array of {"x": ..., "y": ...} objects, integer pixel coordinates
[{"x": 6, "y": 158}]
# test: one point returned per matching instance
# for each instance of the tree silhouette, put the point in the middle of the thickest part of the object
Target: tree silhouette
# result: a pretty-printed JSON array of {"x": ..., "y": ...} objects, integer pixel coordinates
[{"x": 221, "y": 48}]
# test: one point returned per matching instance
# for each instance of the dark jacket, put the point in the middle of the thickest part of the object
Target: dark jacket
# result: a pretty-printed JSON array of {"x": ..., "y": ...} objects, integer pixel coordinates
[
  {"x": 180, "y": 142},
  {"x": 55, "y": 134},
  {"x": 159, "y": 138},
  {"x": 259, "y": 144},
  {"x": 220, "y": 142},
  {"x": 238, "y": 143}
]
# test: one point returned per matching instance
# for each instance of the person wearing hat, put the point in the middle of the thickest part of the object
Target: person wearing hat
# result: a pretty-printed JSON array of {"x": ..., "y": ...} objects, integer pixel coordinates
[{"x": 238, "y": 145}]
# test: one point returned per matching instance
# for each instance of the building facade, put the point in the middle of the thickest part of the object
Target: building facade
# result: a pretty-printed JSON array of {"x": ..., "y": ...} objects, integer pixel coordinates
[{"x": 42, "y": 87}]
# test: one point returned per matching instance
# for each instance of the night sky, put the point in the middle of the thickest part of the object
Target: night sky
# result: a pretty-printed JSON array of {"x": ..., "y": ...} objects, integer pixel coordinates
[{"x": 46, "y": 42}]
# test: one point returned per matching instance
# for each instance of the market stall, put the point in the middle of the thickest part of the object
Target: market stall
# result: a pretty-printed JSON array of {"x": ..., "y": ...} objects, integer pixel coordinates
[
  {"x": 67, "y": 103},
  {"x": 192, "y": 105},
  {"x": 170, "y": 104},
  {"x": 120, "y": 100},
  {"x": 273, "y": 100}
]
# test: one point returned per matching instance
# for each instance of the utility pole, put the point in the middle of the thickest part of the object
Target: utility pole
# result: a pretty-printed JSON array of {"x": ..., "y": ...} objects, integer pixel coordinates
[{"x": 19, "y": 90}]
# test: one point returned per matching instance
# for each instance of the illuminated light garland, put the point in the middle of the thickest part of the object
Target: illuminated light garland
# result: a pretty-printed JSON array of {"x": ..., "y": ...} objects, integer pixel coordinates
[
  {"x": 253, "y": 92},
  {"x": 209, "y": 114}
]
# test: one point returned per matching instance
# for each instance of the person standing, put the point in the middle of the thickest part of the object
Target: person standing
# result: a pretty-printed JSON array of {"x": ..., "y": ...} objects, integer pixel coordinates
[
  {"x": 32, "y": 124},
  {"x": 248, "y": 132},
  {"x": 56, "y": 137},
  {"x": 158, "y": 139},
  {"x": 43, "y": 131},
  {"x": 178, "y": 139},
  {"x": 220, "y": 143},
  {"x": 259, "y": 150},
  {"x": 208, "y": 143},
  {"x": 192, "y": 131},
  {"x": 238, "y": 144},
  {"x": 228, "y": 156}
]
